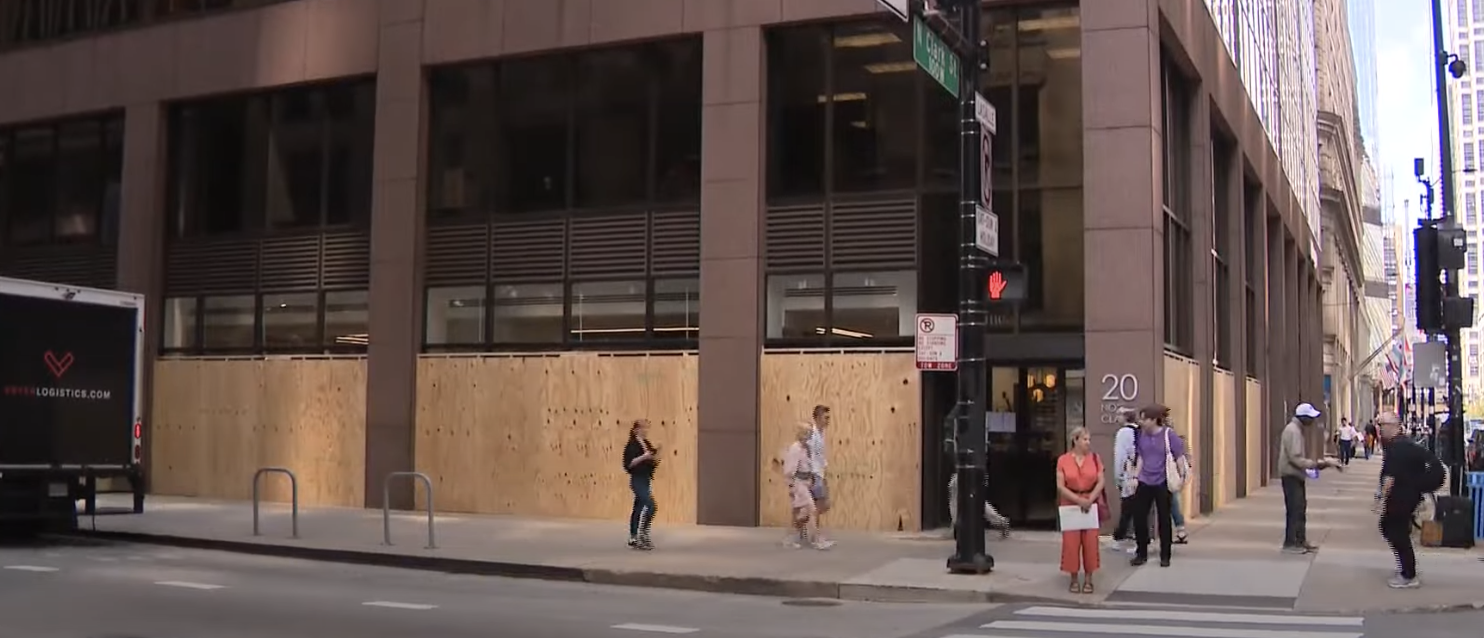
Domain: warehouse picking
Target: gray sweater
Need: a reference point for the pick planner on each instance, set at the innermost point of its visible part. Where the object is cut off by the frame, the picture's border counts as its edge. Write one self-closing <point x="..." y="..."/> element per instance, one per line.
<point x="1291" y="458"/>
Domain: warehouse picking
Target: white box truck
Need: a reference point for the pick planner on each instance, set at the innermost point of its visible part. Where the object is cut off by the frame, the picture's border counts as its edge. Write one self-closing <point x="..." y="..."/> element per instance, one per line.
<point x="71" y="406"/>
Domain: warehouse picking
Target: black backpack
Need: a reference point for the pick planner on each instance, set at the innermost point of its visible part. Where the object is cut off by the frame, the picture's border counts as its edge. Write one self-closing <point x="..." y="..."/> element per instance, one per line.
<point x="1433" y="474"/>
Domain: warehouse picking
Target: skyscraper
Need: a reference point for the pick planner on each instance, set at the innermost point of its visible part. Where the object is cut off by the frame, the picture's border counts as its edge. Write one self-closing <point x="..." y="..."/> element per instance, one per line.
<point x="1272" y="42"/>
<point x="1362" y="15"/>
<point x="1464" y="25"/>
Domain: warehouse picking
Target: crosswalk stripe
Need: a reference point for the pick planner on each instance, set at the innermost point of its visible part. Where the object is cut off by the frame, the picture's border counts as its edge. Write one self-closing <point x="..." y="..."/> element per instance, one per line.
<point x="1158" y="630"/>
<point x="1070" y="613"/>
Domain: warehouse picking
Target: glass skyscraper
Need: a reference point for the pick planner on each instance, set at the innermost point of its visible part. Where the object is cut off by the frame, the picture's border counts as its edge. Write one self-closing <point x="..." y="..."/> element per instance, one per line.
<point x="1272" y="42"/>
<point x="1363" y="41"/>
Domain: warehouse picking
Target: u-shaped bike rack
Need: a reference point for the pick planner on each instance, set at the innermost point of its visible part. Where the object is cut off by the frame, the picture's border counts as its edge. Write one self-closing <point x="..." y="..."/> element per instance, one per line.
<point x="386" y="505"/>
<point x="257" y="480"/>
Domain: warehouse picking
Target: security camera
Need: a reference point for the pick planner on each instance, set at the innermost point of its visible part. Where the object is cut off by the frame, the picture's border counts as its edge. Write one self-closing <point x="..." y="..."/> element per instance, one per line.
<point x="1458" y="68"/>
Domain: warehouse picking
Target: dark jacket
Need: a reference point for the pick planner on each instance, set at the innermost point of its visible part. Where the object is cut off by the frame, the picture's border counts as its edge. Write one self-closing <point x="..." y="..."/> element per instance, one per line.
<point x="634" y="450"/>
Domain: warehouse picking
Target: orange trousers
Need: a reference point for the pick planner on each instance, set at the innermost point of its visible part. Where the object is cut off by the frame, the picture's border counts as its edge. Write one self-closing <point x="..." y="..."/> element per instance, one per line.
<point x="1079" y="551"/>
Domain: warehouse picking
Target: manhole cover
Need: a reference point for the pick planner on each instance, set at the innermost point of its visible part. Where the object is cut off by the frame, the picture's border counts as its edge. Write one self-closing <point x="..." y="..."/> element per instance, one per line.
<point x="812" y="602"/>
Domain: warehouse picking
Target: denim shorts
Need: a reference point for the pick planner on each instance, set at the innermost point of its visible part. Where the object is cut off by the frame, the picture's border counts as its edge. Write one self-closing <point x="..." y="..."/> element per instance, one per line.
<point x="820" y="489"/>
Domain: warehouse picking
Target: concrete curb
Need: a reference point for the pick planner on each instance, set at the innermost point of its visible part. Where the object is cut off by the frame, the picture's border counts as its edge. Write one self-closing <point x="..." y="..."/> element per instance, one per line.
<point x="771" y="587"/>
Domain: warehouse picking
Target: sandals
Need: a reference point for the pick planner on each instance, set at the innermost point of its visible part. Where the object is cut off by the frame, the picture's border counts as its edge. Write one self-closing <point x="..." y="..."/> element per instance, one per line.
<point x="1087" y="587"/>
<point x="1075" y="587"/>
<point x="1080" y="586"/>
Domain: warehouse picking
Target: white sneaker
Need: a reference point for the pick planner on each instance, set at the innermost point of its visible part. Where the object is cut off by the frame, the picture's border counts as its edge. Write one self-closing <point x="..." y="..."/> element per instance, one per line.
<point x="823" y="544"/>
<point x="1397" y="582"/>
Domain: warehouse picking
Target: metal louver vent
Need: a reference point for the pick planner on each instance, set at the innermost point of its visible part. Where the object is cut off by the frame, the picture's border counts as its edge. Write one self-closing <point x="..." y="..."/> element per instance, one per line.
<point x="210" y="266"/>
<point x="795" y="237"/>
<point x="346" y="260"/>
<point x="458" y="255"/>
<point x="90" y="266"/>
<point x="528" y="248"/>
<point x="675" y="242"/>
<point x="608" y="244"/>
<point x="290" y="263"/>
<point x="877" y="233"/>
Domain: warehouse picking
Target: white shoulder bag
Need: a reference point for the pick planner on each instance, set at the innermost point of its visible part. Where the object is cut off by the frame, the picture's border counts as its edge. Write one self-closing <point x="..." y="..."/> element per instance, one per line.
<point x="1174" y="480"/>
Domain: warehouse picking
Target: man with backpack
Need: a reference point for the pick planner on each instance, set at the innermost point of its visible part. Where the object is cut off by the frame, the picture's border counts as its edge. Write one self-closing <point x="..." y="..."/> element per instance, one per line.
<point x="1408" y="473"/>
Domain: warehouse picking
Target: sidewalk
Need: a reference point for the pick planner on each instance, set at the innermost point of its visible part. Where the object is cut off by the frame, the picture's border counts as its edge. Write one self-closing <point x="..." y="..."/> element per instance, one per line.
<point x="862" y="566"/>
<point x="1232" y="559"/>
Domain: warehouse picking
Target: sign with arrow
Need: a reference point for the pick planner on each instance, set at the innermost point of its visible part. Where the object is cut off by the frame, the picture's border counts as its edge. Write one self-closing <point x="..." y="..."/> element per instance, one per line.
<point x="1006" y="283"/>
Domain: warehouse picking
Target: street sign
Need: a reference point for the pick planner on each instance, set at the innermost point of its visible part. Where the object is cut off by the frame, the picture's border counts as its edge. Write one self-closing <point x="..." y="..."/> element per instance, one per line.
<point x="900" y="7"/>
<point x="934" y="56"/>
<point x="985" y="113"/>
<point x="1430" y="364"/>
<point x="988" y="123"/>
<point x="1005" y="283"/>
<point x="937" y="343"/>
<point x="987" y="231"/>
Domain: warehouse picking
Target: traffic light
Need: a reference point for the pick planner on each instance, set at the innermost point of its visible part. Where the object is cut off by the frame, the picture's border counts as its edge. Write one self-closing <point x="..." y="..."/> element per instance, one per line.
<point x="1005" y="283"/>
<point x="1438" y="250"/>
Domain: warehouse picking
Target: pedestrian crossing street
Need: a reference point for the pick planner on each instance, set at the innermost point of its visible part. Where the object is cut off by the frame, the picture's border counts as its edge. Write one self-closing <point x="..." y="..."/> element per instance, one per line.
<point x="1077" y="622"/>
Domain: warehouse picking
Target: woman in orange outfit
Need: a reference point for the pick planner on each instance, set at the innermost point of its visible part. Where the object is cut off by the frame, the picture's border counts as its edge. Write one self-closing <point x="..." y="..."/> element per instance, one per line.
<point x="1079" y="481"/>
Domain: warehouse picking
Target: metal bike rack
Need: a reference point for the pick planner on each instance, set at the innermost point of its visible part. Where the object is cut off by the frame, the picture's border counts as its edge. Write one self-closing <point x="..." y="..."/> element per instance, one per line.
<point x="257" y="480"/>
<point x="386" y="505"/>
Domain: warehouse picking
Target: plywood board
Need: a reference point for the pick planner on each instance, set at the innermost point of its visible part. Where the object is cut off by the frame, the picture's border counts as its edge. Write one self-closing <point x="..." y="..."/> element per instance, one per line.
<point x="874" y="441"/>
<point x="544" y="435"/>
<point x="1255" y="448"/>
<point x="215" y="422"/>
<point x="1182" y="396"/>
<point x="1224" y="431"/>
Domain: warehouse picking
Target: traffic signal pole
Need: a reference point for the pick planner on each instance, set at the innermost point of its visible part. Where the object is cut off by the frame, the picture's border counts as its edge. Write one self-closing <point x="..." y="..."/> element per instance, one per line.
<point x="970" y="556"/>
<point x="1441" y="60"/>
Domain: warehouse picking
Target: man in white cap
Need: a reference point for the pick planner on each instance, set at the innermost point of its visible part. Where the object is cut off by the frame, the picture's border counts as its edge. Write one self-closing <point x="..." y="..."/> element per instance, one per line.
<point x="1293" y="469"/>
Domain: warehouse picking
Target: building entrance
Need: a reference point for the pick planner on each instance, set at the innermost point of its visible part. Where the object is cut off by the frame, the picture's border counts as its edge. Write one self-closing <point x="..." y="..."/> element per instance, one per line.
<point x="1032" y="409"/>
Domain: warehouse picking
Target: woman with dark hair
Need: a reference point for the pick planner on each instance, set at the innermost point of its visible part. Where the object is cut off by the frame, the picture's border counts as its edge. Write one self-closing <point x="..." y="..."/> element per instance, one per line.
<point x="640" y="457"/>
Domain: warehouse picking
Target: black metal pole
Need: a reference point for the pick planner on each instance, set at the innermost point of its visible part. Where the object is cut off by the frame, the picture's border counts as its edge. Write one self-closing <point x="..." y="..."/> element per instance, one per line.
<point x="970" y="556"/>
<point x="1450" y="220"/>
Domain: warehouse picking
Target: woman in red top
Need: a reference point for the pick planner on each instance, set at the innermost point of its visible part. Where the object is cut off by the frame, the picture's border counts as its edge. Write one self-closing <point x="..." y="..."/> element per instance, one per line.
<point x="1079" y="481"/>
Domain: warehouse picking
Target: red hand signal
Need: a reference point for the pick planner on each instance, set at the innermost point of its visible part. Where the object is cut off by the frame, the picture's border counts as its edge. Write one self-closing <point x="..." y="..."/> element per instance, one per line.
<point x="997" y="285"/>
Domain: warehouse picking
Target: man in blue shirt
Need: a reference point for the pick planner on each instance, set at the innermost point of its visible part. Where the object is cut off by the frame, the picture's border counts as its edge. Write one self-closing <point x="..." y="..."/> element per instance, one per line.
<point x="1154" y="446"/>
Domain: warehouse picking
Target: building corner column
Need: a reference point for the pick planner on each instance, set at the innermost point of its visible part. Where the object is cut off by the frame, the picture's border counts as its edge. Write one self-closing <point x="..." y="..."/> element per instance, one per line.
<point x="733" y="140"/>
<point x="1236" y="303"/>
<point x="1200" y="429"/>
<point x="1280" y="339"/>
<point x="1123" y="234"/>
<point x="141" y="239"/>
<point x="397" y="222"/>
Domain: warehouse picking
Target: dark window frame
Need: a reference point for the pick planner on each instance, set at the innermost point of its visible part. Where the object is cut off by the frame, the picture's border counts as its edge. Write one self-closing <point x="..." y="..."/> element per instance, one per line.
<point x="20" y="28"/>
<point x="110" y="150"/>
<point x="1221" y="237"/>
<point x="191" y="225"/>
<point x="495" y="205"/>
<point x="1179" y="284"/>
<point x="648" y="340"/>
<point x="258" y="348"/>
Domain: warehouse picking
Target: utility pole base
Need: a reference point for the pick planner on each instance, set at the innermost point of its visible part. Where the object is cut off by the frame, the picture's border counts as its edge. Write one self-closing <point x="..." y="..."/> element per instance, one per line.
<point x="977" y="564"/>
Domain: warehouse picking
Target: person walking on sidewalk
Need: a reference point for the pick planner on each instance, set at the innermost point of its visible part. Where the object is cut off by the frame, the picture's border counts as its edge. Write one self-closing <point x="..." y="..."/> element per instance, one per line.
<point x="1123" y="455"/>
<point x="1293" y="471"/>
<point x="640" y="460"/>
<point x="1079" y="483"/>
<point x="1372" y="435"/>
<point x="1177" y="513"/>
<point x="1408" y="473"/>
<point x="798" y="471"/>
<point x="1348" y="435"/>
<point x="1157" y="451"/>
<point x="821" y="487"/>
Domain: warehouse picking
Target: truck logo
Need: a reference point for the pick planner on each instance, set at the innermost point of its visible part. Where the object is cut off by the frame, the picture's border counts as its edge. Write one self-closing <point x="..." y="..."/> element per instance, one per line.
<point x="58" y="365"/>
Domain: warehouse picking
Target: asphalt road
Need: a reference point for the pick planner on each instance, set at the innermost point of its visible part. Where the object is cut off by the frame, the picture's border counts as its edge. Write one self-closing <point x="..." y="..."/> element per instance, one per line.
<point x="88" y="589"/>
<point x="108" y="590"/>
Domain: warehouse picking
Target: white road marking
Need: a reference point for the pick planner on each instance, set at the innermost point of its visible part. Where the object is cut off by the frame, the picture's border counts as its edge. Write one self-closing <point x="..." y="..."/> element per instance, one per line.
<point x="1079" y="613"/>
<point x="656" y="629"/>
<point x="394" y="605"/>
<point x="1152" y="631"/>
<point x="30" y="568"/>
<point x="185" y="585"/>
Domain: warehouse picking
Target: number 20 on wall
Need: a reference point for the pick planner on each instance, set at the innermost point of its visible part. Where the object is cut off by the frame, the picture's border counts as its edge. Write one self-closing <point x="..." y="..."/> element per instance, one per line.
<point x="1120" y="387"/>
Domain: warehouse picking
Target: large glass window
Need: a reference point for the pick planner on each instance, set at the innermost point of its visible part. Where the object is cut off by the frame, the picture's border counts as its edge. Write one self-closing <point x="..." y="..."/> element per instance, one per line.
<point x="603" y="128"/>
<point x="851" y="117"/>
<point x="59" y="181"/>
<point x="298" y="158"/>
<point x="1179" y="246"/>
<point x="290" y="322"/>
<point x="601" y="135"/>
